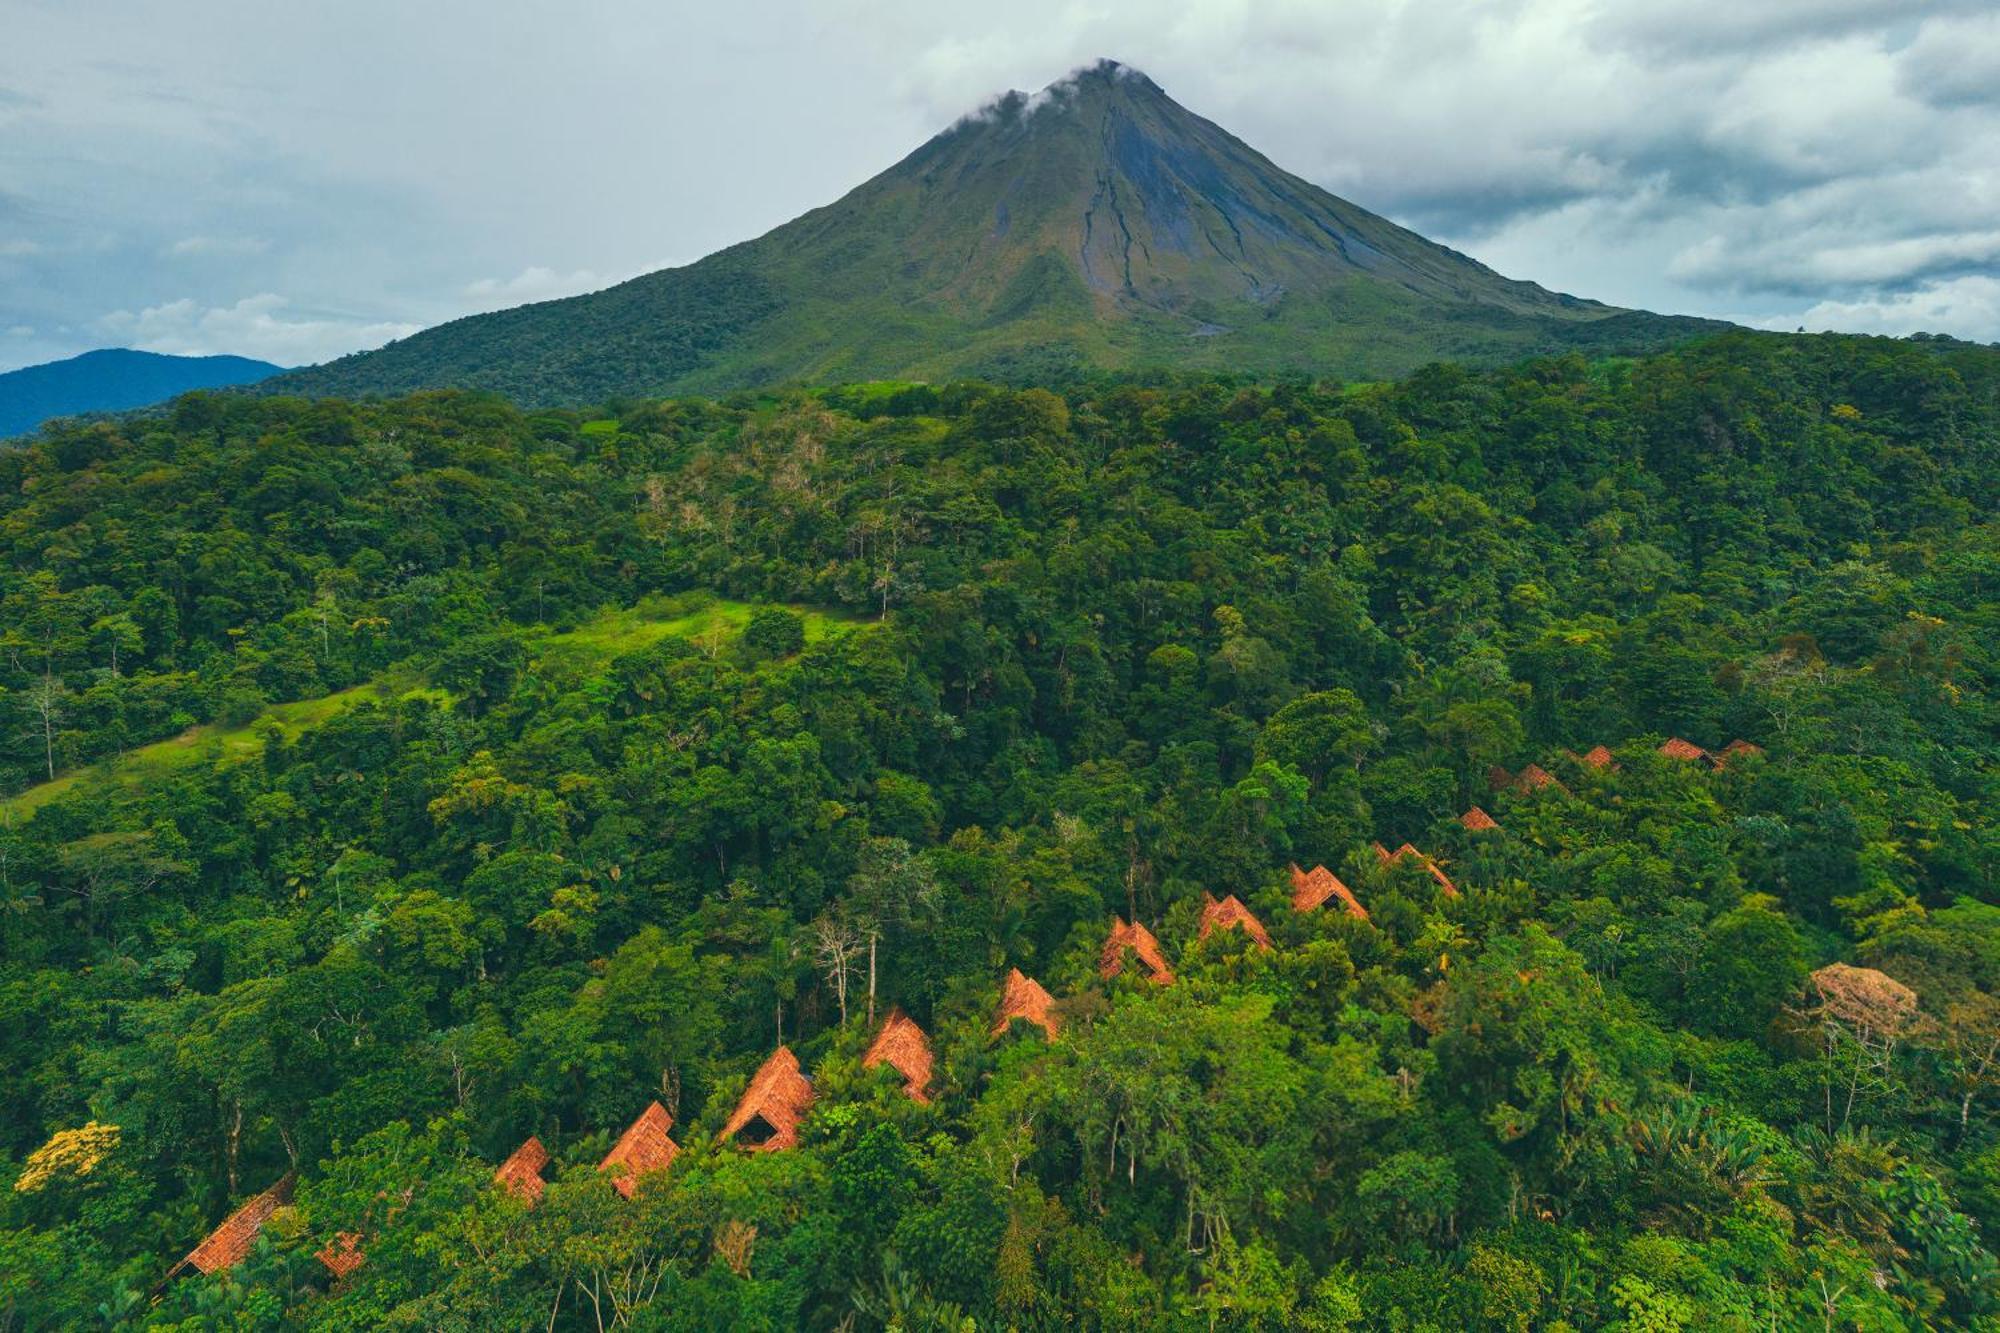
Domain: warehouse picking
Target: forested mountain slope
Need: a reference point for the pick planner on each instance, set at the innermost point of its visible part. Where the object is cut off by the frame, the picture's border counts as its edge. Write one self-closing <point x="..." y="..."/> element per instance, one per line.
<point x="1096" y="224"/>
<point x="1131" y="645"/>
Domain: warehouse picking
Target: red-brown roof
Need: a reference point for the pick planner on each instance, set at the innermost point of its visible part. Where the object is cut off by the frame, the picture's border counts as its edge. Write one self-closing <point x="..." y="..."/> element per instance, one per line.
<point x="1135" y="939"/>
<point x="777" y="1099"/>
<point x="521" y="1174"/>
<point x="902" y="1046"/>
<point x="344" y="1255"/>
<point x="1430" y="866"/>
<point x="1735" y="748"/>
<point x="1231" y="914"/>
<point x="1680" y="749"/>
<point x="641" y="1150"/>
<point x="1478" y="820"/>
<point x="1534" y="777"/>
<point x="1598" y="756"/>
<point x="1023" y="997"/>
<point x="226" y="1246"/>
<point x="1312" y="888"/>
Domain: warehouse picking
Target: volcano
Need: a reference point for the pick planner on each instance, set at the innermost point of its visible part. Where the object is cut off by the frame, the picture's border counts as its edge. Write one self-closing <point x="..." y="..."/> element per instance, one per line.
<point x="1095" y="224"/>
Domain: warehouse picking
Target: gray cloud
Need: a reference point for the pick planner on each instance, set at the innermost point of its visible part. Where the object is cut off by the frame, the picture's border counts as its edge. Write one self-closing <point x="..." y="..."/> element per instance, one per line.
<point x="263" y="322"/>
<point x="302" y="179"/>
<point x="1955" y="63"/>
<point x="1733" y="27"/>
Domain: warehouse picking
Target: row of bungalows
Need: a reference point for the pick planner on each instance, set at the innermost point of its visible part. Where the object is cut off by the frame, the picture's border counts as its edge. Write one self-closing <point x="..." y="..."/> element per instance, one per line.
<point x="766" y="1119"/>
<point x="1535" y="778"/>
<point x="779" y="1096"/>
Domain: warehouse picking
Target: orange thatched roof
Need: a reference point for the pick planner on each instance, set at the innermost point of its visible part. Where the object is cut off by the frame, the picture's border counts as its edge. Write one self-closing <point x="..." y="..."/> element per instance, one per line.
<point x="521" y="1174"/>
<point x="902" y="1046"/>
<point x="1313" y="887"/>
<point x="641" y="1150"/>
<point x="344" y="1255"/>
<point x="1680" y="749"/>
<point x="1598" y="756"/>
<point x="1230" y="914"/>
<point x="226" y="1246"/>
<point x="1431" y="867"/>
<point x="1478" y="820"/>
<point x="1872" y="1001"/>
<point x="1136" y="939"/>
<point x="1735" y="748"/>
<point x="1534" y="777"/>
<point x="1023" y="997"/>
<point x="776" y="1101"/>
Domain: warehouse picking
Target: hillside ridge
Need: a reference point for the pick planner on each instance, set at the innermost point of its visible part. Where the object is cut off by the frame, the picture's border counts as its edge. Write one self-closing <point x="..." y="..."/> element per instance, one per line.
<point x="113" y="379"/>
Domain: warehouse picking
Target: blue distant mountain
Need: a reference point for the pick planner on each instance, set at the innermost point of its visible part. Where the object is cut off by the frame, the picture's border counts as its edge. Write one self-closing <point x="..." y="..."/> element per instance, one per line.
<point x="111" y="380"/>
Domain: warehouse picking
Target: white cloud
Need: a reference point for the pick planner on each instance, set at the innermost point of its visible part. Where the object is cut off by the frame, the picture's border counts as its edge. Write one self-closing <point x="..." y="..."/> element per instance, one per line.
<point x="21" y="331"/>
<point x="19" y="249"/>
<point x="204" y="246"/>
<point x="1966" y="307"/>
<point x="255" y="326"/>
<point x="531" y="284"/>
<point x="1710" y="27"/>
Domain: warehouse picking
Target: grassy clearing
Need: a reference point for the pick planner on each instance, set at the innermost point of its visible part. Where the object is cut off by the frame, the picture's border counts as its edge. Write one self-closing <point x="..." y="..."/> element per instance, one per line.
<point x="209" y="743"/>
<point x="605" y="636"/>
<point x="612" y="634"/>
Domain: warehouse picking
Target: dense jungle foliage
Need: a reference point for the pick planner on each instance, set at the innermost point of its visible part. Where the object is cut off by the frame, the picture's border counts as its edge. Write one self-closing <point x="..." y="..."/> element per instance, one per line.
<point x="907" y="686"/>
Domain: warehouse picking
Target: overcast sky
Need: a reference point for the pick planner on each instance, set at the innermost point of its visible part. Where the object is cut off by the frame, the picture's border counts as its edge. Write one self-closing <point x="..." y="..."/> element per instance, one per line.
<point x="295" y="180"/>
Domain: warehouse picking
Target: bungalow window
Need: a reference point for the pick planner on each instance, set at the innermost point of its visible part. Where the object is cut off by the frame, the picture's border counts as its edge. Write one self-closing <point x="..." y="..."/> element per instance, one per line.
<point x="756" y="1132"/>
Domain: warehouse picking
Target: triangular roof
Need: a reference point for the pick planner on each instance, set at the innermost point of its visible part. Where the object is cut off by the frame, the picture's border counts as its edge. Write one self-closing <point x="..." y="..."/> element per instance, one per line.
<point x="1136" y="939"/>
<point x="1431" y="867"/>
<point x="1023" y="997"/>
<point x="1598" y="756"/>
<point x="343" y="1255"/>
<point x="780" y="1095"/>
<point x="1478" y="820"/>
<point x="521" y="1174"/>
<point x="225" y="1247"/>
<point x="1534" y="777"/>
<point x="1872" y="1001"/>
<point x="641" y="1150"/>
<point x="1311" y="888"/>
<point x="1676" y="748"/>
<point x="902" y="1045"/>
<point x="1231" y="914"/>
<point x="1735" y="748"/>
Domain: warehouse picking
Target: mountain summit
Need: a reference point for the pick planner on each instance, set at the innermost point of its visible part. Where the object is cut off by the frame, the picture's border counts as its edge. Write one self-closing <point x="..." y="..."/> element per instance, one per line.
<point x="1097" y="222"/>
<point x="113" y="379"/>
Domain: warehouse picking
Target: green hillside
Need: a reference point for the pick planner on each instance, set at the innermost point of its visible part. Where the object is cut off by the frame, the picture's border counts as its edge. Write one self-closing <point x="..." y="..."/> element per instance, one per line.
<point x="1096" y="225"/>
<point x="708" y="623"/>
<point x="983" y="968"/>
